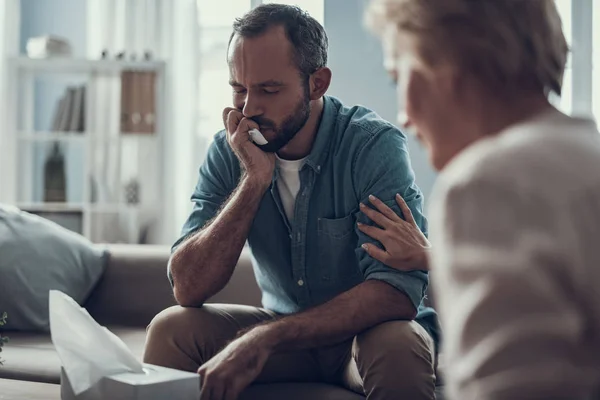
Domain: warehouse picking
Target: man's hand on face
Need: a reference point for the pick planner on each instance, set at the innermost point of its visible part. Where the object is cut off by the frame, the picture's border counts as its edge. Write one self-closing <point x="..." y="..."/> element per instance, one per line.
<point x="229" y="372"/>
<point x="258" y="164"/>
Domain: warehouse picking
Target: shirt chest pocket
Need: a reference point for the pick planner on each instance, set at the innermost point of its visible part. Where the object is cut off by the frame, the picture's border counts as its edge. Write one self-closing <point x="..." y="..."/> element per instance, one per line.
<point x="337" y="243"/>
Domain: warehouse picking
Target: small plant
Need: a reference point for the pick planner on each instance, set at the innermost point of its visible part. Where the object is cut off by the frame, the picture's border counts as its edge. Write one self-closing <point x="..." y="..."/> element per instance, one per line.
<point x="3" y="339"/>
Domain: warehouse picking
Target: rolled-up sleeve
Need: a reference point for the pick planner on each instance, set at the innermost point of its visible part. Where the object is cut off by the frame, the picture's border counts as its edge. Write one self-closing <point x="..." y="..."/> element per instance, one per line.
<point x="382" y="168"/>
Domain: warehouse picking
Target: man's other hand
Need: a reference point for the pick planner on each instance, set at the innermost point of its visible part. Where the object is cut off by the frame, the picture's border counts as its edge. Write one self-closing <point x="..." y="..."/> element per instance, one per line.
<point x="259" y="165"/>
<point x="228" y="373"/>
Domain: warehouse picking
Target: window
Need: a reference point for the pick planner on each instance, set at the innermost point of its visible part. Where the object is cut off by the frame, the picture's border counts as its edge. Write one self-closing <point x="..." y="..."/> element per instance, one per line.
<point x="215" y="19"/>
<point x="596" y="62"/>
<point x="581" y="85"/>
<point x="314" y="7"/>
<point x="565" y="103"/>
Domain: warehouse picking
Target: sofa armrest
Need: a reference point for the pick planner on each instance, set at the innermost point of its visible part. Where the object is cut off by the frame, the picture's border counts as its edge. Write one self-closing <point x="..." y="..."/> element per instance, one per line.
<point x="134" y="287"/>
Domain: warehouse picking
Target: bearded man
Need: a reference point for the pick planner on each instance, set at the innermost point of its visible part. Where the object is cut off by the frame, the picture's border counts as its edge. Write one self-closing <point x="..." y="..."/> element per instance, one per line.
<point x="331" y="312"/>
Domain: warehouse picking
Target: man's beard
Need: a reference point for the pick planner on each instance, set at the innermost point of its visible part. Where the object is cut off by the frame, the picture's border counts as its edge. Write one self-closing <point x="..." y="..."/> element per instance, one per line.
<point x="288" y="128"/>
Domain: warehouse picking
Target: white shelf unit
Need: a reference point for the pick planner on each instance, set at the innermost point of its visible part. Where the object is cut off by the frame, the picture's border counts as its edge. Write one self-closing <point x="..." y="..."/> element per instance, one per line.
<point x="20" y="138"/>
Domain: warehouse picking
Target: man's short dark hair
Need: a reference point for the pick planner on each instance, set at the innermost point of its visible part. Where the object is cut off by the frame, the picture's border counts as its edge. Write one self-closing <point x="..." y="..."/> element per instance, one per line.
<point x="307" y="36"/>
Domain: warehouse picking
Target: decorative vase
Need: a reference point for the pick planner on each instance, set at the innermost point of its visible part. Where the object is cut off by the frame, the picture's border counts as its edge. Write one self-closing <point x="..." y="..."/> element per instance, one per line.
<point x="54" y="176"/>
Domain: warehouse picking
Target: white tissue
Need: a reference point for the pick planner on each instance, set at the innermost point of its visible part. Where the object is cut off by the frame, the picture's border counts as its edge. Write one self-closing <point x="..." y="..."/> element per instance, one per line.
<point x="257" y="137"/>
<point x="86" y="350"/>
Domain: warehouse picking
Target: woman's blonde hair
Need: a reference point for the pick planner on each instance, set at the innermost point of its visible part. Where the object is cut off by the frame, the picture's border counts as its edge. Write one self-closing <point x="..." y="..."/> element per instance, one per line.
<point x="508" y="44"/>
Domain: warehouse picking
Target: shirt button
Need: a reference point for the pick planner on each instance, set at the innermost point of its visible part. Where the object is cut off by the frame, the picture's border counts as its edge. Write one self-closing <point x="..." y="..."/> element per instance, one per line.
<point x="300" y="282"/>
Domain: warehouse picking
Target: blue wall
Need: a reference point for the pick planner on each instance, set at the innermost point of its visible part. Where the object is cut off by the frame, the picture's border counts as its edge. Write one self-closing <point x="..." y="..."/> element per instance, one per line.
<point x="65" y="18"/>
<point x="356" y="59"/>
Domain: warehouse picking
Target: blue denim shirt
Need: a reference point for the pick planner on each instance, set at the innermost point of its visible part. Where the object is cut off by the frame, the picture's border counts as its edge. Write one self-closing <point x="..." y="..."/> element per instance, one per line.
<point x="319" y="256"/>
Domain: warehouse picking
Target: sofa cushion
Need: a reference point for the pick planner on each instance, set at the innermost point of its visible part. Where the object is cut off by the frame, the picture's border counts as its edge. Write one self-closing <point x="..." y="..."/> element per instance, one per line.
<point x="31" y="356"/>
<point x="37" y="255"/>
<point x="18" y="390"/>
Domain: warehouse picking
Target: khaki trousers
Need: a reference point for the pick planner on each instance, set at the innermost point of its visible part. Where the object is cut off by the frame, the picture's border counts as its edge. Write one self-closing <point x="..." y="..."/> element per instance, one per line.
<point x="393" y="360"/>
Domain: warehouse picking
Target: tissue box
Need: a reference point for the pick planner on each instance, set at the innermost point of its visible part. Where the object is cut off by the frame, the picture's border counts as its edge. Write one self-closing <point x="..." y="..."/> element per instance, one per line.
<point x="158" y="383"/>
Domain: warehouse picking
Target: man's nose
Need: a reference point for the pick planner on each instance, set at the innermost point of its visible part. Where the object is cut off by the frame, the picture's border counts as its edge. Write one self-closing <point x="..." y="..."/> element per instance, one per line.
<point x="252" y="107"/>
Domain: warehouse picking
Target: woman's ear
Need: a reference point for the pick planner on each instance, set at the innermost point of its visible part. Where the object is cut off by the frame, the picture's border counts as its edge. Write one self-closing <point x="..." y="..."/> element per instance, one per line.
<point x="319" y="83"/>
<point x="451" y="81"/>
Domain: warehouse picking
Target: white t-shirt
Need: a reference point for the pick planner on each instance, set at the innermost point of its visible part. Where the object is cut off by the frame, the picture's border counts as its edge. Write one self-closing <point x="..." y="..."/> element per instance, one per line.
<point x="289" y="184"/>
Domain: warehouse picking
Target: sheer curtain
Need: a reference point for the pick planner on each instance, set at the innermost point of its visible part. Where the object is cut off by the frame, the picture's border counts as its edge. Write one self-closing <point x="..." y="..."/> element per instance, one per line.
<point x="9" y="47"/>
<point x="215" y="20"/>
<point x="169" y="30"/>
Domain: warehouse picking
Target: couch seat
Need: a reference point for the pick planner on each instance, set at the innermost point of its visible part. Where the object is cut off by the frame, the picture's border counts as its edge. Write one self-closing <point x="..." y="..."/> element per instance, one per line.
<point x="31" y="356"/>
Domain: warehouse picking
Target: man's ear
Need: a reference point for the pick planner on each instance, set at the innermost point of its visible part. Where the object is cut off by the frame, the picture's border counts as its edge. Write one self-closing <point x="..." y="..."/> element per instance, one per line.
<point x="319" y="83"/>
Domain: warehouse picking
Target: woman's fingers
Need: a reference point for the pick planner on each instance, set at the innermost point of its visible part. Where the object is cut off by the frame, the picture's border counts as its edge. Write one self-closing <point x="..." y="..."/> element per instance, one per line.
<point x="405" y="210"/>
<point x="384" y="209"/>
<point x="376" y="252"/>
<point x="371" y="231"/>
<point x="376" y="216"/>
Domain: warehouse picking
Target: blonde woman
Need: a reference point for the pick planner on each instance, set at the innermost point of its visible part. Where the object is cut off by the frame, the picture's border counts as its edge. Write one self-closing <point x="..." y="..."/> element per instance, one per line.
<point x="515" y="216"/>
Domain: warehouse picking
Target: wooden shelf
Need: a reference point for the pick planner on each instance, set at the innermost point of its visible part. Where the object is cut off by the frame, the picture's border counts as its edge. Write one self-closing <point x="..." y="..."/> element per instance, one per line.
<point x="51" y="207"/>
<point x="46" y="136"/>
<point x="51" y="136"/>
<point x="75" y="65"/>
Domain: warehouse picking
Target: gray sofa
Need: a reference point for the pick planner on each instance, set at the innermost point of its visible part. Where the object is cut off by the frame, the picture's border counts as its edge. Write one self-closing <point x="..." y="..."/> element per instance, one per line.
<point x="133" y="289"/>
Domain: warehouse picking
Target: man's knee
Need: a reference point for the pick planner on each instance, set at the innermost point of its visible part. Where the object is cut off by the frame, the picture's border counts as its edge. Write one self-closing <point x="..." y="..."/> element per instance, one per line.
<point x="396" y="357"/>
<point x="186" y="337"/>
<point x="167" y="321"/>
<point x="176" y="321"/>
<point x="180" y="329"/>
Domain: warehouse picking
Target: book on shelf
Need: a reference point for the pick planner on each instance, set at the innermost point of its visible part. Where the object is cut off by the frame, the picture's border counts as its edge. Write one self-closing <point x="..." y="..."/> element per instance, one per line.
<point x="148" y="86"/>
<point x="58" y="113"/>
<point x="126" y="124"/>
<point x="63" y="119"/>
<point x="78" y="110"/>
<point x="138" y="99"/>
<point x="69" y="113"/>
